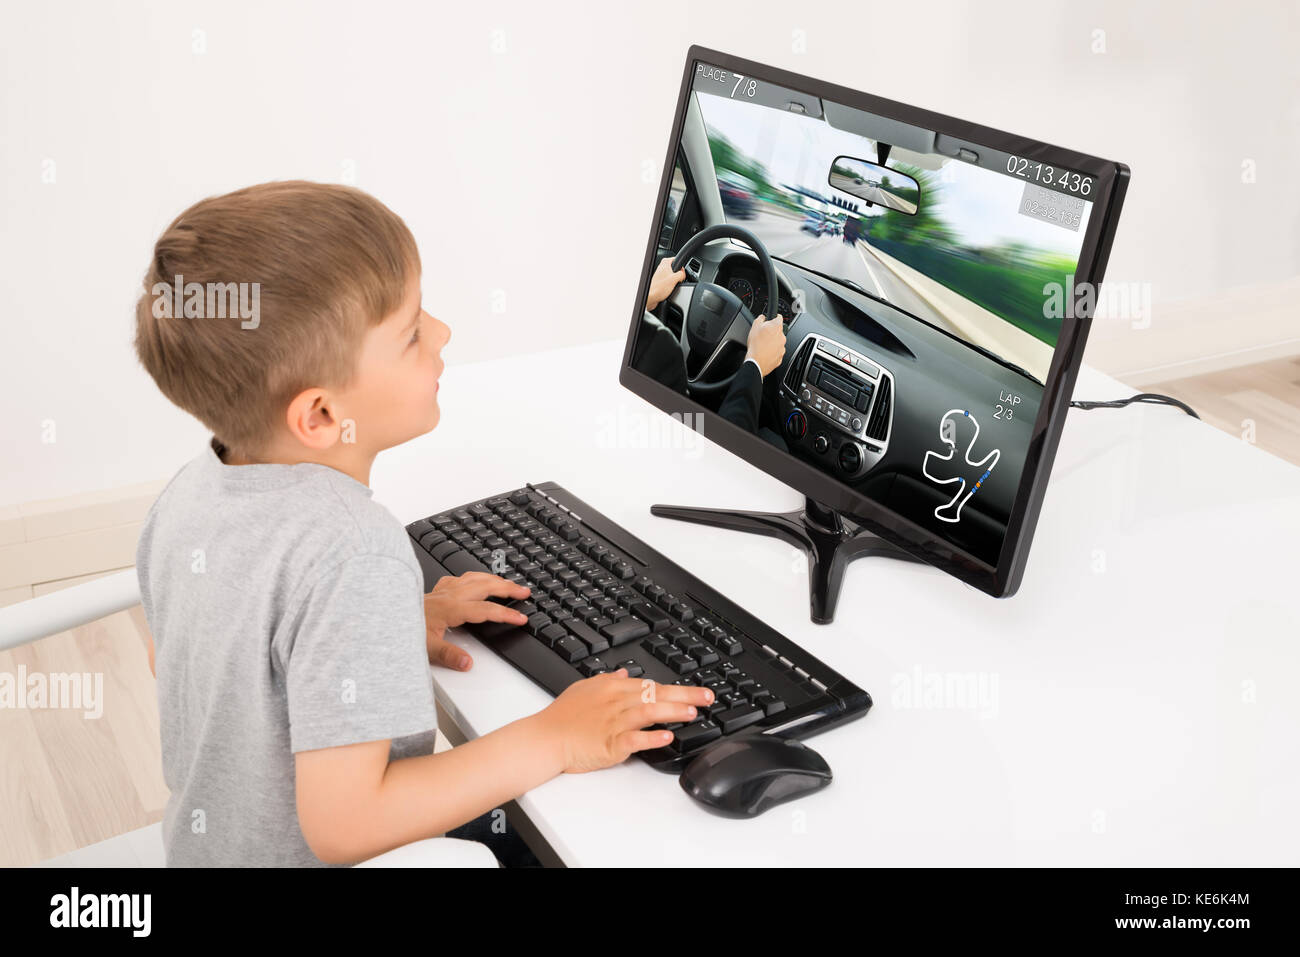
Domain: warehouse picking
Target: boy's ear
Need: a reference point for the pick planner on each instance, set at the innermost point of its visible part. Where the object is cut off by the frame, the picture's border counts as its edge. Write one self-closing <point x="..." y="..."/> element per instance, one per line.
<point x="310" y="419"/>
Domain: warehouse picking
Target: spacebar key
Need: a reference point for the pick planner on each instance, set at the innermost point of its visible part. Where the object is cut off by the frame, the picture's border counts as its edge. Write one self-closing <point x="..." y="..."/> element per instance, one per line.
<point x="458" y="563"/>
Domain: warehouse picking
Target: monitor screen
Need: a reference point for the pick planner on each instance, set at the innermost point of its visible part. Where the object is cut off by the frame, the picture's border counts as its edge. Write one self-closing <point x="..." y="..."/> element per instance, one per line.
<point x="923" y="282"/>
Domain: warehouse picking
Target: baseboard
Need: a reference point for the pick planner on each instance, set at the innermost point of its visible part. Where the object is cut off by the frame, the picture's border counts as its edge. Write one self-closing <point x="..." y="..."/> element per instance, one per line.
<point x="1237" y="327"/>
<point x="1233" y="359"/>
<point x="55" y="543"/>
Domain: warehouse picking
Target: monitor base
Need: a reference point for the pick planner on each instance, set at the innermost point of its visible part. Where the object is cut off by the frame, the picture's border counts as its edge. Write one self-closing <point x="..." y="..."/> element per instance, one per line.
<point x="821" y="532"/>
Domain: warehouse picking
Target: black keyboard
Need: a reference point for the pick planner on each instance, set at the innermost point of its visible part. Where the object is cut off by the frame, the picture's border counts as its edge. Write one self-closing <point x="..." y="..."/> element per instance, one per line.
<point x="603" y="600"/>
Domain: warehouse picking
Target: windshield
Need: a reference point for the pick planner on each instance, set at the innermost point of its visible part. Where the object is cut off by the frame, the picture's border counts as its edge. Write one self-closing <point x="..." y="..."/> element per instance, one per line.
<point x="965" y="248"/>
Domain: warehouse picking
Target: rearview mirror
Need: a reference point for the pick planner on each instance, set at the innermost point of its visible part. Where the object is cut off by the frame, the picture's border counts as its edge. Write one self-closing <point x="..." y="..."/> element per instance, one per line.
<point x="876" y="184"/>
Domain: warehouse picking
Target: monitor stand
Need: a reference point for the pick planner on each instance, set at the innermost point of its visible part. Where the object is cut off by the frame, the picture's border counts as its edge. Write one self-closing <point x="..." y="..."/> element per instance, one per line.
<point x="821" y="532"/>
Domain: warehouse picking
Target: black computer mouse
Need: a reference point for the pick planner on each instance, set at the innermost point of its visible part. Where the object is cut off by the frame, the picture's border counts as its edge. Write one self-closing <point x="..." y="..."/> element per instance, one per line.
<point x="743" y="777"/>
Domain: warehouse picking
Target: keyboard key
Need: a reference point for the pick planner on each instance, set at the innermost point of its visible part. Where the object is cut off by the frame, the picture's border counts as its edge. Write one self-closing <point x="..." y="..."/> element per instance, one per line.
<point x="739" y="717"/>
<point x="591" y="666"/>
<point x="553" y="634"/>
<point x="683" y="664"/>
<point x="461" y="562"/>
<point x="707" y="655"/>
<point x="432" y="539"/>
<point x="694" y="735"/>
<point x="592" y="639"/>
<point x="623" y="570"/>
<point x="665" y="651"/>
<point x="629" y="629"/>
<point x="656" y="619"/>
<point x="571" y="649"/>
<point x="443" y="549"/>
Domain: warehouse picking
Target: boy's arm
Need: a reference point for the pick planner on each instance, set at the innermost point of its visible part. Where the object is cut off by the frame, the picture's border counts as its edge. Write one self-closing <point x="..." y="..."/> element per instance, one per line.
<point x="353" y="804"/>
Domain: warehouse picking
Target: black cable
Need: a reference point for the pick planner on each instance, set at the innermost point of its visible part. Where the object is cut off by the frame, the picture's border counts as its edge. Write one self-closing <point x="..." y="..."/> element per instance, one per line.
<point x="1151" y="398"/>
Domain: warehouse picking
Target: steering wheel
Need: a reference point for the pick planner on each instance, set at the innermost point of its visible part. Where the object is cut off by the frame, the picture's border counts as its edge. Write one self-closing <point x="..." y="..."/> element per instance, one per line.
<point x="716" y="315"/>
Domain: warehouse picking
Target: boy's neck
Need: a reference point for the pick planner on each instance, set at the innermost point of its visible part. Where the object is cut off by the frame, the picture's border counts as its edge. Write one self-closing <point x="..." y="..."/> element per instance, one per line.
<point x="355" y="465"/>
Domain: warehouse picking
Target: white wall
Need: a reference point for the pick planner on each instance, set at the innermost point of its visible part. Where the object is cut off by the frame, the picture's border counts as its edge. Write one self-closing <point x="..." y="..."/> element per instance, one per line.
<point x="139" y="125"/>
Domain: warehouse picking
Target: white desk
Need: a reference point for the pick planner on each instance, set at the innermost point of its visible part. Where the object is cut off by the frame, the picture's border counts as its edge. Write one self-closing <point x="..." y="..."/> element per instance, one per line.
<point x="1146" y="706"/>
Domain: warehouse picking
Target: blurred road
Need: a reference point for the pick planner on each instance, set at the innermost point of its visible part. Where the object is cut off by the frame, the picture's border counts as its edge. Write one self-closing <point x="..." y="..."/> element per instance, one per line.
<point x="780" y="233"/>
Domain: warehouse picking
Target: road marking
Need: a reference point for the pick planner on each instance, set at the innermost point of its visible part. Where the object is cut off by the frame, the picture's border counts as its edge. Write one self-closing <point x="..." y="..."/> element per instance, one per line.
<point x="800" y="249"/>
<point x="880" y="291"/>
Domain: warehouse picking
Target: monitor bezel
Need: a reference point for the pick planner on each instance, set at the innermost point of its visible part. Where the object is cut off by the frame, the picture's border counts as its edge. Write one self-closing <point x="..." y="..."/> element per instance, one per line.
<point x="1003" y="579"/>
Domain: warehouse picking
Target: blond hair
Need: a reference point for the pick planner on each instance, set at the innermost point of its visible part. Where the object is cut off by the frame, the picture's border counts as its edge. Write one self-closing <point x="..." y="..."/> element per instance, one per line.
<point x="328" y="262"/>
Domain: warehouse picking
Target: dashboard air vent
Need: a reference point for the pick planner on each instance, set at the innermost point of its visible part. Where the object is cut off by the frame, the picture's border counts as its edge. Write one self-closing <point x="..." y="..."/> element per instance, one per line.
<point x="879" y="424"/>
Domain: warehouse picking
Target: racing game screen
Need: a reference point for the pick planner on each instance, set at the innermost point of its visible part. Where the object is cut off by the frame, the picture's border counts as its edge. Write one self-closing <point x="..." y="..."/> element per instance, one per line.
<point x="922" y="283"/>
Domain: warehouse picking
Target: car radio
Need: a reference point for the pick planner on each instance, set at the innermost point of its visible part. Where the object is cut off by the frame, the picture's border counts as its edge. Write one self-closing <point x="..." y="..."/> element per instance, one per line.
<point x="837" y="406"/>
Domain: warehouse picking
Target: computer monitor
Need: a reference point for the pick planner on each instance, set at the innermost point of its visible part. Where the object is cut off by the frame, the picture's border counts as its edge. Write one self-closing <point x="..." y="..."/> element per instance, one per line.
<point x="936" y="281"/>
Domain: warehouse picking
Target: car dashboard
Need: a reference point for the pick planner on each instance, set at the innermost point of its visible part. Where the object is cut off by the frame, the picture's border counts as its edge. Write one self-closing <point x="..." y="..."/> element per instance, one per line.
<point x="864" y="388"/>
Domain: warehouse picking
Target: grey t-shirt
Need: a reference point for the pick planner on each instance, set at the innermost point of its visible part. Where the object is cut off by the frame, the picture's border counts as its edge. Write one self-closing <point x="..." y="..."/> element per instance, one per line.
<point x="287" y="615"/>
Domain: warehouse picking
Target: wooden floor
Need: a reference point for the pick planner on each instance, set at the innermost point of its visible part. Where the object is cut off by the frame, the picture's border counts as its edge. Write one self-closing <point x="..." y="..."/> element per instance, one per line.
<point x="1266" y="395"/>
<point x="66" y="781"/>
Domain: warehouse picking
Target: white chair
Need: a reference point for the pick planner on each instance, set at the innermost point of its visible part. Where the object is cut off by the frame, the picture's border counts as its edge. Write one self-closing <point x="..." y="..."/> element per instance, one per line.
<point x="58" y="611"/>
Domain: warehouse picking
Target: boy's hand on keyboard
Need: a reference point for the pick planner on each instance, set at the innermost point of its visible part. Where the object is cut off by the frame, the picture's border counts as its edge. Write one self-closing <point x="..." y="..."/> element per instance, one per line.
<point x="598" y="722"/>
<point x="458" y="599"/>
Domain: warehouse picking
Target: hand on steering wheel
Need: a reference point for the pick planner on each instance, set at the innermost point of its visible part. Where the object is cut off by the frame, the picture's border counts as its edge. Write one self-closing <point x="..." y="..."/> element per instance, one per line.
<point x="766" y="344"/>
<point x="716" y="315"/>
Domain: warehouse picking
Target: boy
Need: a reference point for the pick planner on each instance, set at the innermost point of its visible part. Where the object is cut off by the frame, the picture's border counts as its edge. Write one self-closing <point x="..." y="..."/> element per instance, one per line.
<point x="292" y="638"/>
